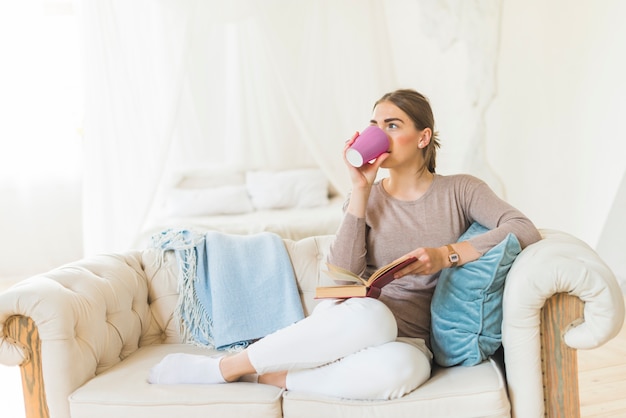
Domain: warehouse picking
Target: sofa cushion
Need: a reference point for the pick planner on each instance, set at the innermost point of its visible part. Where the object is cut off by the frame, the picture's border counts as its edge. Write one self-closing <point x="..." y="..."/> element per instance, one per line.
<point x="478" y="391"/>
<point x="466" y="310"/>
<point x="123" y="392"/>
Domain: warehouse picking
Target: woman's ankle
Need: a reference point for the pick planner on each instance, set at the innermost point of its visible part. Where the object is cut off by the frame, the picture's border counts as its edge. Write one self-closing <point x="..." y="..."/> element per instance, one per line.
<point x="278" y="379"/>
<point x="235" y="366"/>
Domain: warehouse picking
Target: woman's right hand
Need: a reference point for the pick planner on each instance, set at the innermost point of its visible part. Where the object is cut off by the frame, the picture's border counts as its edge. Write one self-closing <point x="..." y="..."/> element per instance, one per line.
<point x="362" y="177"/>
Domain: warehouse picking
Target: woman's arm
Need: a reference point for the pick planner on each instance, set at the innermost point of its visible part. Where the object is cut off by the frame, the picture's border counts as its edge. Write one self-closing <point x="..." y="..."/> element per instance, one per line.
<point x="349" y="249"/>
<point x="482" y="205"/>
<point x="500" y="217"/>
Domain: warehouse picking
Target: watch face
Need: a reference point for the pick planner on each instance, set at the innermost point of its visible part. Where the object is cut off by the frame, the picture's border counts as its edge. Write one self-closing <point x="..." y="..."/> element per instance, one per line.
<point x="454" y="258"/>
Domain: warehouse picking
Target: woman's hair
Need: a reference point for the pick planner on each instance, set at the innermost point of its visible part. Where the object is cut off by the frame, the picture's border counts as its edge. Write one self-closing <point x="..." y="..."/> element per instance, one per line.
<point x="417" y="106"/>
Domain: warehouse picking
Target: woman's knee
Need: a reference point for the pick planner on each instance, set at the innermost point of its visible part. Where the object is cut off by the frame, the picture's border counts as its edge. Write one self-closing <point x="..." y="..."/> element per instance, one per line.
<point x="405" y="368"/>
<point x="408" y="362"/>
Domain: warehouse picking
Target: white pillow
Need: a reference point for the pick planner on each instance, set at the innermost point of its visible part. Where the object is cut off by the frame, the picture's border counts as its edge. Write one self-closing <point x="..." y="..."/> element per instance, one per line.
<point x="210" y="178"/>
<point x="224" y="200"/>
<point x="303" y="188"/>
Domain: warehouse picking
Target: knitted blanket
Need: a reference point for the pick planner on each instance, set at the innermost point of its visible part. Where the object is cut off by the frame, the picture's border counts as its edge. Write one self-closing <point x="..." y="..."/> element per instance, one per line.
<point x="233" y="289"/>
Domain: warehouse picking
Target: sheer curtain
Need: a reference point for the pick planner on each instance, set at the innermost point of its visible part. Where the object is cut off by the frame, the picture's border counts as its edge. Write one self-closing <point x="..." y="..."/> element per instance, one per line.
<point x="135" y="54"/>
<point x="183" y="84"/>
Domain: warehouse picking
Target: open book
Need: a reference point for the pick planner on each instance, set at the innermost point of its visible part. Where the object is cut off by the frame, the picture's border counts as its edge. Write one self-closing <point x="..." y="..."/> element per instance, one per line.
<point x="361" y="287"/>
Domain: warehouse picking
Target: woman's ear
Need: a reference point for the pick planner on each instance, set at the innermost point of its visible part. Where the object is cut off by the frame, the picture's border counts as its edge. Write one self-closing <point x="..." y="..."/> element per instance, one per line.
<point x="425" y="138"/>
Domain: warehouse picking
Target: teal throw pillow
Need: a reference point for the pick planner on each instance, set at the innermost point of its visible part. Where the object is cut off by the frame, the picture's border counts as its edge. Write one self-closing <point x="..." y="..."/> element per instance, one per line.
<point x="466" y="321"/>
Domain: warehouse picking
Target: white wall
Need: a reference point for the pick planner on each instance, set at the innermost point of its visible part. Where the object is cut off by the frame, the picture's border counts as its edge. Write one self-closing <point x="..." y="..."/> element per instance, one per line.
<point x="40" y="227"/>
<point x="612" y="243"/>
<point x="40" y="148"/>
<point x="555" y="130"/>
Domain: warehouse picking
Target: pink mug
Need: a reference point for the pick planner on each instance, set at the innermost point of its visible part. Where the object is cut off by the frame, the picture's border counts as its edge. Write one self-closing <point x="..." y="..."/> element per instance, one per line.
<point x="370" y="144"/>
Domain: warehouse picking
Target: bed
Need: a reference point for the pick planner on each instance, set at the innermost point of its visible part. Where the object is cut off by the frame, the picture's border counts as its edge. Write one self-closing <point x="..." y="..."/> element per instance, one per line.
<point x="294" y="204"/>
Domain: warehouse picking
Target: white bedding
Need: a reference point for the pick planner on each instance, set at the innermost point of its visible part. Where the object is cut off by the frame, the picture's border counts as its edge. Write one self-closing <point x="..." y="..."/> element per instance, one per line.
<point x="293" y="223"/>
<point x="294" y="204"/>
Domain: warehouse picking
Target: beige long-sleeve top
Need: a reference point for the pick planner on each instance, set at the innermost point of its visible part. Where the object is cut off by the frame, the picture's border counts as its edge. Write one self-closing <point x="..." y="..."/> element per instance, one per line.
<point x="392" y="228"/>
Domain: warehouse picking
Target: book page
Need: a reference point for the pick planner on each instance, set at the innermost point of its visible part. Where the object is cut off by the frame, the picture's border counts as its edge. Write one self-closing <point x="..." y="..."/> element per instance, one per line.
<point x="389" y="269"/>
<point x="339" y="273"/>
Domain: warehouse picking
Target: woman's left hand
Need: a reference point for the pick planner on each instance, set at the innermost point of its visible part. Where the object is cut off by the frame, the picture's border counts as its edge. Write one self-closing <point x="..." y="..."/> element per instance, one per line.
<point x="433" y="260"/>
<point x="429" y="261"/>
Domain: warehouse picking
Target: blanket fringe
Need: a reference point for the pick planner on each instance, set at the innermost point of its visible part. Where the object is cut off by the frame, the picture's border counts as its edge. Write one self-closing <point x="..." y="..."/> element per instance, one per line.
<point x="189" y="313"/>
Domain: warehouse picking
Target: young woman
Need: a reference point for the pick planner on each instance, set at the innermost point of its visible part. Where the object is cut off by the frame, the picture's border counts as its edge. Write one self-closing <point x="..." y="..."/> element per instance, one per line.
<point x="364" y="348"/>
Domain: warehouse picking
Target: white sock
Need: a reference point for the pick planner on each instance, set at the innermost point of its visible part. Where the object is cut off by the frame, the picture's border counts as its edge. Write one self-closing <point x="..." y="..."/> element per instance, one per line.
<point x="181" y="368"/>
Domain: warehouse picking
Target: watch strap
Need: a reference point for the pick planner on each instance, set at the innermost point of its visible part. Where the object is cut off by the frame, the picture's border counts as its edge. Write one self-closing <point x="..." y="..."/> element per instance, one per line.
<point x="453" y="256"/>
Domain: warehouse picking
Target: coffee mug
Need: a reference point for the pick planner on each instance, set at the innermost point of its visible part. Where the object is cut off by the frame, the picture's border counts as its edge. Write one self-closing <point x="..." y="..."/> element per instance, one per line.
<point x="370" y="144"/>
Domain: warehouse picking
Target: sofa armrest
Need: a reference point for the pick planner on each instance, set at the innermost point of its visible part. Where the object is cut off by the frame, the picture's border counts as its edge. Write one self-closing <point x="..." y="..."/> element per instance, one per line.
<point x="542" y="324"/>
<point x="72" y="323"/>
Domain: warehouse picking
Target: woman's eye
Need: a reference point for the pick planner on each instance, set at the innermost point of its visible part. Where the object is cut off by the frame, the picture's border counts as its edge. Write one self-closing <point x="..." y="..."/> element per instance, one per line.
<point x="392" y="126"/>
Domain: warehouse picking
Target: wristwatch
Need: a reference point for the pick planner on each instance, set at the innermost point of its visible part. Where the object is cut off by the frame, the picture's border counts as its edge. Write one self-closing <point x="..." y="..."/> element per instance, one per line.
<point x="453" y="256"/>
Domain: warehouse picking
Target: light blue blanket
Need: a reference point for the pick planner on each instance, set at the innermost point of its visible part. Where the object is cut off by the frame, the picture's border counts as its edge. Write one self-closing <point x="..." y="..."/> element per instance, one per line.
<point x="233" y="288"/>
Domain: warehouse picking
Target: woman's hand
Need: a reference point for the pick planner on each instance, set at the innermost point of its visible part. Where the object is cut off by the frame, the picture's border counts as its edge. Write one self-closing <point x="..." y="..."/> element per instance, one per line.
<point x="433" y="260"/>
<point x="364" y="176"/>
<point x="362" y="179"/>
<point x="429" y="261"/>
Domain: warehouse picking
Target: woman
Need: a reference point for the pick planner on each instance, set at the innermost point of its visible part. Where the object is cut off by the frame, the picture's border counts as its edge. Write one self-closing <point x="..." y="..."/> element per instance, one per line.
<point x="364" y="348"/>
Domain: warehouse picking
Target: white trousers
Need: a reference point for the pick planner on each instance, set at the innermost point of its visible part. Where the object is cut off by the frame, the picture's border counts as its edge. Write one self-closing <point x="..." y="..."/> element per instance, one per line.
<point x="345" y="349"/>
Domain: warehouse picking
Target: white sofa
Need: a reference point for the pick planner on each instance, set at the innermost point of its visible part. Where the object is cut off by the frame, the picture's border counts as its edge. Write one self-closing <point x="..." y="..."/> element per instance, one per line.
<point x="87" y="333"/>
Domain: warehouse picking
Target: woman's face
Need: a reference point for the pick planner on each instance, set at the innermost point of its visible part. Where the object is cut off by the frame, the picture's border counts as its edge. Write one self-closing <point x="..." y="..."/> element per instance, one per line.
<point x="407" y="142"/>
